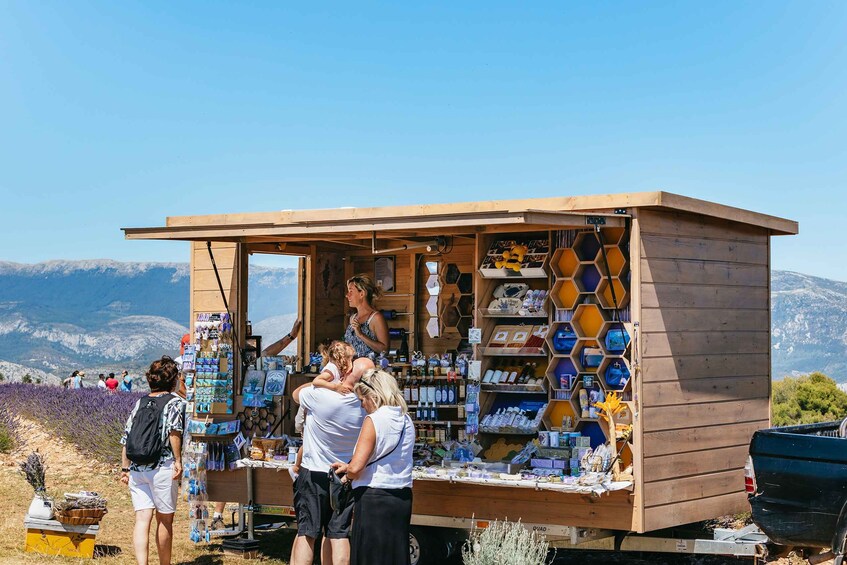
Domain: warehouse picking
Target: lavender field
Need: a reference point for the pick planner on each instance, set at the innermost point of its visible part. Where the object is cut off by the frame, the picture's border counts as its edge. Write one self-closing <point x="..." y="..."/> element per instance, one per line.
<point x="92" y="419"/>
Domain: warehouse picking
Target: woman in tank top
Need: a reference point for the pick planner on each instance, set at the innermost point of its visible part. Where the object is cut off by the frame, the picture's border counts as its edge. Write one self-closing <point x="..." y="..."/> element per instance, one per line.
<point x="381" y="474"/>
<point x="367" y="331"/>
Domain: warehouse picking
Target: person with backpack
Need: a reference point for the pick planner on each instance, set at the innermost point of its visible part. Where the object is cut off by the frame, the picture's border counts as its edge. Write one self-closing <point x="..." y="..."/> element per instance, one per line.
<point x="152" y="459"/>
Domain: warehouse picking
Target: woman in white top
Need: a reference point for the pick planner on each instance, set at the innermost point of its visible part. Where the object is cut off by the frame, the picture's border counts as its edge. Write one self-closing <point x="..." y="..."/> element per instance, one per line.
<point x="381" y="473"/>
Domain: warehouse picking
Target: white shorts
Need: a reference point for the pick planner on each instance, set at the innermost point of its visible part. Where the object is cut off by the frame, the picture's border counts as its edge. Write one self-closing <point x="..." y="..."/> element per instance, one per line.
<point x="154" y="489"/>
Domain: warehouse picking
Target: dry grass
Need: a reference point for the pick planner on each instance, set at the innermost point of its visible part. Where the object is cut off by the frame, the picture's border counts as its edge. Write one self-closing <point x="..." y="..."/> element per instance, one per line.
<point x="69" y="471"/>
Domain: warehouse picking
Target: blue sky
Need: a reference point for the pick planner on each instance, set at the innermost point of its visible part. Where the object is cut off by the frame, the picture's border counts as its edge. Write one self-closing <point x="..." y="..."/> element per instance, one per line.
<point x="118" y="114"/>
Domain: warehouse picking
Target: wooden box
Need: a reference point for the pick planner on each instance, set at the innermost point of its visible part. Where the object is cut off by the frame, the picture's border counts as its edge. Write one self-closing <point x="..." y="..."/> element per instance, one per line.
<point x="51" y="537"/>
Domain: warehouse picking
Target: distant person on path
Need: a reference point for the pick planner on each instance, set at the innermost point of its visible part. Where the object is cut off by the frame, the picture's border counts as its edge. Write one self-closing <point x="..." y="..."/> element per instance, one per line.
<point x="153" y="486"/>
<point x="381" y="471"/>
<point x="67" y="383"/>
<point x="126" y="382"/>
<point x="101" y="382"/>
<point x="77" y="380"/>
<point x="112" y="383"/>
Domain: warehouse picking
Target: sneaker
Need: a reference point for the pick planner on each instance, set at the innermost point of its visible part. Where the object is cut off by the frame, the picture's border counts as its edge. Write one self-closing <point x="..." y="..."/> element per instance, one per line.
<point x="217" y="524"/>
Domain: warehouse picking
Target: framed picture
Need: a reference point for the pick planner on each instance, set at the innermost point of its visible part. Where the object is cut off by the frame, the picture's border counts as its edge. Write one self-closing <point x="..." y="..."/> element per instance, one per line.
<point x="384" y="273"/>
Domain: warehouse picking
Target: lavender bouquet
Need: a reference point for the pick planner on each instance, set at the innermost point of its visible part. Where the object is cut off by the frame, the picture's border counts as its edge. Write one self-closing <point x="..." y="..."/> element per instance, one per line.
<point x="33" y="470"/>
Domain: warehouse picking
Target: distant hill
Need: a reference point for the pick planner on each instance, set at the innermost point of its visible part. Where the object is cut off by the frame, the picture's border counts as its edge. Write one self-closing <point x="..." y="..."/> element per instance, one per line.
<point x="106" y="315"/>
<point x="809" y="325"/>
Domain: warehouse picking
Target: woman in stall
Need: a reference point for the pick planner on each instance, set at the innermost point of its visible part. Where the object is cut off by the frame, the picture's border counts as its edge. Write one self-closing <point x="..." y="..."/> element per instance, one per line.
<point x="381" y="474"/>
<point x="367" y="331"/>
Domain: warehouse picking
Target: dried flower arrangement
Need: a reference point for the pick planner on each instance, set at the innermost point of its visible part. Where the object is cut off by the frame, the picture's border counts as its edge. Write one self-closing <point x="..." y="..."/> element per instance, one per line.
<point x="33" y="469"/>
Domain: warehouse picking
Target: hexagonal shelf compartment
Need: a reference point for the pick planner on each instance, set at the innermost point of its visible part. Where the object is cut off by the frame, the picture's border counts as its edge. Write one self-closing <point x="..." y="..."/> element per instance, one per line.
<point x="604" y="294"/>
<point x="561" y="338"/>
<point x="576" y="400"/>
<point x="451" y="273"/>
<point x="612" y="236"/>
<point x="614" y="258"/>
<point x="587" y="320"/>
<point x="564" y="262"/>
<point x="465" y="283"/>
<point x="587" y="277"/>
<point x="565" y="294"/>
<point x="615" y="374"/>
<point x="614" y="338"/>
<point x="595" y="430"/>
<point x="587" y="355"/>
<point x="561" y="373"/>
<point x="586" y="246"/>
<point x="466" y="305"/>
<point x="556" y="413"/>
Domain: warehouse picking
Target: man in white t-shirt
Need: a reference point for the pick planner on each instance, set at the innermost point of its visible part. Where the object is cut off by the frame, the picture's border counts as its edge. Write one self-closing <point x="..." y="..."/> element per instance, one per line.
<point x="330" y="433"/>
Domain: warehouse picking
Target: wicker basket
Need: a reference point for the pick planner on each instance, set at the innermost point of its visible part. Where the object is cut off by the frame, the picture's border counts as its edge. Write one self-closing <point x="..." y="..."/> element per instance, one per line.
<point x="81" y="516"/>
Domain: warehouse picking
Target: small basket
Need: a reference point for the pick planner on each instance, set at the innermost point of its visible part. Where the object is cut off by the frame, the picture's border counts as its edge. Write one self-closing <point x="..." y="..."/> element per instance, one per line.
<point x="81" y="516"/>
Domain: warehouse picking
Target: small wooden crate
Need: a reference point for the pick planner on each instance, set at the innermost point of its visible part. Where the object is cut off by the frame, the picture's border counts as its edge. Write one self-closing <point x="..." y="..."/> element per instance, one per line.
<point x="51" y="537"/>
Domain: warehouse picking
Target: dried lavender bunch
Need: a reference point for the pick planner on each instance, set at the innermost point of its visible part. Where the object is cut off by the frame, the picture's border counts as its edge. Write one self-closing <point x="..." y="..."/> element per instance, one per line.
<point x="81" y="503"/>
<point x="33" y="470"/>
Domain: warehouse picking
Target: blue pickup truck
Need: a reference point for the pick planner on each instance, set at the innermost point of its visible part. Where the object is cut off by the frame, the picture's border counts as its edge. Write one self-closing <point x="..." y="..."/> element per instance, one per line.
<point x="797" y="485"/>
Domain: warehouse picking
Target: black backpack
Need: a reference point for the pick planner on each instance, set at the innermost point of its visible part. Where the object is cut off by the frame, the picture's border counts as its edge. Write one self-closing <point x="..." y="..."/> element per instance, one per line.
<point x="144" y="443"/>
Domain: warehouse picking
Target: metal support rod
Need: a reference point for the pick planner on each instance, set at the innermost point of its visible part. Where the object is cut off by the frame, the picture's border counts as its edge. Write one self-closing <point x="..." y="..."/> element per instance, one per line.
<point x="249" y="503"/>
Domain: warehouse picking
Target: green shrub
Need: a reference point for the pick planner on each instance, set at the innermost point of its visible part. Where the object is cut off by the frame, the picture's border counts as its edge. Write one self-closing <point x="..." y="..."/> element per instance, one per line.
<point x="505" y="543"/>
<point x="7" y="441"/>
<point x="807" y="399"/>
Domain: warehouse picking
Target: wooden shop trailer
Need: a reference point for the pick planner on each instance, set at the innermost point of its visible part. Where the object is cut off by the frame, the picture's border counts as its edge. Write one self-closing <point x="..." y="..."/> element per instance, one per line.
<point x="689" y="280"/>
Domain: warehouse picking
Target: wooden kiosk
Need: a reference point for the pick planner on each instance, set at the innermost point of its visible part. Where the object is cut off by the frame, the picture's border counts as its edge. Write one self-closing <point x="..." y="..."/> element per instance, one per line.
<point x="691" y="283"/>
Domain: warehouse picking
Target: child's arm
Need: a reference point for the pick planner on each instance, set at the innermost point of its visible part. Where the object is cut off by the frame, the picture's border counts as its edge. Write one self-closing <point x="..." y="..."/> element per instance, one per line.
<point x="324" y="380"/>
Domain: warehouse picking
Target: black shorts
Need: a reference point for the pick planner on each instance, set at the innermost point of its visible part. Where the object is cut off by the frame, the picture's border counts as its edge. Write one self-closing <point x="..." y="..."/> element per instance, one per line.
<point x="314" y="514"/>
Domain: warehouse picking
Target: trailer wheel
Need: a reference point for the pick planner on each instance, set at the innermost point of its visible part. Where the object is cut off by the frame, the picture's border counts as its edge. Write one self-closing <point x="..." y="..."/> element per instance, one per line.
<point x="427" y="547"/>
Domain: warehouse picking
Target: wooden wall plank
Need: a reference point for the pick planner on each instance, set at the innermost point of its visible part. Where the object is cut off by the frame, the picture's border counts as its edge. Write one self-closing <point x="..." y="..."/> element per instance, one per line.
<point x="658" y="418"/>
<point x="537" y="507"/>
<point x="694" y="463"/>
<point x="695" y="296"/>
<point x="696" y="487"/>
<point x="713" y="437"/>
<point x="659" y="517"/>
<point x="692" y="225"/>
<point x="204" y="279"/>
<point x="660" y="369"/>
<point x="718" y="389"/>
<point x="224" y="255"/>
<point x="698" y="319"/>
<point x="692" y="248"/>
<point x="702" y="343"/>
<point x="680" y="271"/>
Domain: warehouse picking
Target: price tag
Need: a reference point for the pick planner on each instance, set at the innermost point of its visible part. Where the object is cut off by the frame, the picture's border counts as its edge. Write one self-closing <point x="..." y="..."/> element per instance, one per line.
<point x="475" y="336"/>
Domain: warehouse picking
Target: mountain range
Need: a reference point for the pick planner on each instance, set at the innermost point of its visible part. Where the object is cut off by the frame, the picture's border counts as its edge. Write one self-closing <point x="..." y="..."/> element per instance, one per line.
<point x="105" y="315"/>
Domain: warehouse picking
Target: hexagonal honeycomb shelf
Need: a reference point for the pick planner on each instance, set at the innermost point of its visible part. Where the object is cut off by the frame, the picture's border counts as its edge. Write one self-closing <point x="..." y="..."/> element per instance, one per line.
<point x="587" y="320"/>
<point x="556" y="412"/>
<point x="564" y="262"/>
<point x="560" y="335"/>
<point x="560" y="369"/>
<point x="596" y="430"/>
<point x="614" y="373"/>
<point x="613" y="236"/>
<point x="587" y="277"/>
<point x="605" y="296"/>
<point x="615" y="260"/>
<point x="586" y="246"/>
<point x="618" y="342"/>
<point x="575" y="396"/>
<point x="565" y="294"/>
<point x="582" y="360"/>
<point x="457" y="301"/>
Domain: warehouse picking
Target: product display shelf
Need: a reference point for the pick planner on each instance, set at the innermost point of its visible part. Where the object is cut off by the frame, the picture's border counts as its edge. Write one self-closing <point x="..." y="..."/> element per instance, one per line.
<point x="439" y="422"/>
<point x="498" y="395"/>
<point x="513" y="389"/>
<point x="513" y="352"/>
<point x="565" y="294"/>
<point x="557" y="411"/>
